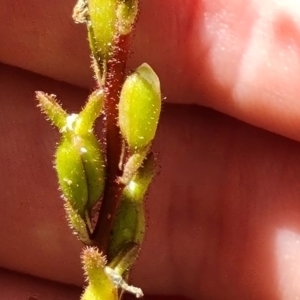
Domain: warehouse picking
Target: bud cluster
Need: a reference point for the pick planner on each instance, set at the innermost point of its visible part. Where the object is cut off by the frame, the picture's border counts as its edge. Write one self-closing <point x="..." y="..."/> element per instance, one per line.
<point x="81" y="160"/>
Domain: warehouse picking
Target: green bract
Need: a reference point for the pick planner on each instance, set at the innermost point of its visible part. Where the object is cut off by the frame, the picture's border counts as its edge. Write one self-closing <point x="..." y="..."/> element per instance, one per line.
<point x="77" y="224"/>
<point x="90" y="112"/>
<point x="139" y="108"/>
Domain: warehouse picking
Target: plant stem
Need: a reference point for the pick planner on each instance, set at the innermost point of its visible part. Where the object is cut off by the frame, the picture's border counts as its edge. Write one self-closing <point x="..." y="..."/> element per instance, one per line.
<point x="116" y="67"/>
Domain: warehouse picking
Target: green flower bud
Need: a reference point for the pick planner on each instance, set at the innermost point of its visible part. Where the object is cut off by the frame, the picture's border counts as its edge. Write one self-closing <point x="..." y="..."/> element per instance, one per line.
<point x="126" y="14"/>
<point x="79" y="160"/>
<point x="80" y="169"/>
<point x="129" y="225"/>
<point x="139" y="108"/>
<point x="100" y="286"/>
<point x="102" y="14"/>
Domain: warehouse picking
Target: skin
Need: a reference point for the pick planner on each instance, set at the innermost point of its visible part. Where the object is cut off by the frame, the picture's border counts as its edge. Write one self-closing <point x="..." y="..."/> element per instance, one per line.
<point x="224" y="210"/>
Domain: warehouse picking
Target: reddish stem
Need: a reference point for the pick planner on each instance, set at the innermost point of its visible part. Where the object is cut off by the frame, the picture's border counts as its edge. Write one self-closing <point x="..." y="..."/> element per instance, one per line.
<point x="113" y="189"/>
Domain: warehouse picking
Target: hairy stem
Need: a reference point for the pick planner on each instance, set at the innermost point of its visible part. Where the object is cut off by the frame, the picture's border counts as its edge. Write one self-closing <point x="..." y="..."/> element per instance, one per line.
<point x="112" y="194"/>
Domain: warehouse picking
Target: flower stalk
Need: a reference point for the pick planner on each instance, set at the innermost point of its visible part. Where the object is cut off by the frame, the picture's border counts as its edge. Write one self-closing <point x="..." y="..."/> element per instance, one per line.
<point x="104" y="184"/>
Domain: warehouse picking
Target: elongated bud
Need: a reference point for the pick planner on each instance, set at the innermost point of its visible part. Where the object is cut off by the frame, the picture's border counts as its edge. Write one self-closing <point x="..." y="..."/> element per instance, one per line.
<point x="129" y="225"/>
<point x="80" y="169"/>
<point x="139" y="108"/>
<point x="79" y="160"/>
<point x="126" y="14"/>
<point x="102" y="15"/>
<point x="100" y="287"/>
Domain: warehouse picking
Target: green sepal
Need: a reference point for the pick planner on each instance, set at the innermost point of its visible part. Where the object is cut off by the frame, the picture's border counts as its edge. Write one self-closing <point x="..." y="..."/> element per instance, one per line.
<point x="90" y="112"/>
<point x="100" y="285"/>
<point x="80" y="168"/>
<point x="79" y="160"/>
<point x="77" y="224"/>
<point x="81" y="15"/>
<point x="138" y="186"/>
<point x="139" y="108"/>
<point x="102" y="16"/>
<point x="132" y="165"/>
<point x="50" y="107"/>
<point x="126" y="13"/>
<point x="94" y="164"/>
<point x="71" y="175"/>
